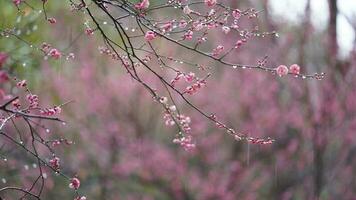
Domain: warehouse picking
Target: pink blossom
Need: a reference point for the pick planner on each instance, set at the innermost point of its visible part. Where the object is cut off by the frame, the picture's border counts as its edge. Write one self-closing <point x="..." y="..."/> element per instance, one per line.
<point x="54" y="163"/>
<point x="197" y="25"/>
<point x="150" y="35"/>
<point x="16" y="2"/>
<point x="167" y="27"/>
<point x="187" y="10"/>
<point x="210" y="2"/>
<point x="89" y="31"/>
<point x="226" y="29"/>
<point x="74" y="183"/>
<point x="81" y="198"/>
<point x="54" y="53"/>
<point x="236" y="13"/>
<point x="239" y="43"/>
<point x="190" y="77"/>
<point x="52" y="20"/>
<point x="294" y="69"/>
<point x="21" y="83"/>
<point x="218" y="50"/>
<point x="282" y="70"/>
<point x="182" y="23"/>
<point x="188" y="35"/>
<point x="143" y="5"/>
<point x="186" y="142"/>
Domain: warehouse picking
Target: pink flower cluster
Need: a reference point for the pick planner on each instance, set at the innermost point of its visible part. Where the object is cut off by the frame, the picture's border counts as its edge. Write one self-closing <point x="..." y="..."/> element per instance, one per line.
<point x="53" y="52"/>
<point x="195" y="87"/>
<point x="218" y="50"/>
<point x="283" y="70"/>
<point x="33" y="99"/>
<point x="51" y="111"/>
<point x="186" y="142"/>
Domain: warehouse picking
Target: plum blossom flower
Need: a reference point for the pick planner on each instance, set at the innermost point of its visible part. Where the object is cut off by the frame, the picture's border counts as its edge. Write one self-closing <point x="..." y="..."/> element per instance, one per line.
<point x="16" y="2"/>
<point x="89" y="31"/>
<point x="81" y="198"/>
<point x="218" y="50"/>
<point x="294" y="69"/>
<point x="190" y="77"/>
<point x="143" y="5"/>
<point x="54" y="53"/>
<point x="52" y="20"/>
<point x="150" y="35"/>
<point x="182" y="23"/>
<point x="188" y="35"/>
<point x="236" y="13"/>
<point x="54" y="163"/>
<point x="74" y="183"/>
<point x="210" y="2"/>
<point x="226" y="29"/>
<point x="187" y="10"/>
<point x="22" y="83"/>
<point x="167" y="27"/>
<point x="186" y="142"/>
<point x="282" y="70"/>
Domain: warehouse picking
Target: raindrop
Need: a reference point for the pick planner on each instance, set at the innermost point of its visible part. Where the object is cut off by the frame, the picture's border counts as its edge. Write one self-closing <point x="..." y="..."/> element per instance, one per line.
<point x="234" y="66"/>
<point x="47" y="130"/>
<point x="26" y="167"/>
<point x="3" y="180"/>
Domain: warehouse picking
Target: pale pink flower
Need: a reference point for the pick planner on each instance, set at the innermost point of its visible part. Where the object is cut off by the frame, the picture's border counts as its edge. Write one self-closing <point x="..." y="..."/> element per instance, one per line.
<point x="282" y="70"/>
<point x="54" y="163"/>
<point x="143" y="5"/>
<point x="89" y="31"/>
<point x="54" y="53"/>
<point x="187" y="10"/>
<point x="21" y="83"/>
<point x="190" y="77"/>
<point x="52" y="20"/>
<point x="210" y="2"/>
<point x="16" y="2"/>
<point x="226" y="29"/>
<point x="74" y="183"/>
<point x="182" y="23"/>
<point x="294" y="69"/>
<point x="218" y="50"/>
<point x="150" y="35"/>
<point x="188" y="35"/>
<point x="236" y="13"/>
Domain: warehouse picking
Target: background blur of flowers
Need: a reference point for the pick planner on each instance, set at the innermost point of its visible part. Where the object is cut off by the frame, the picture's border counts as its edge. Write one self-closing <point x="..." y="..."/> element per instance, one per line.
<point x="124" y="151"/>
